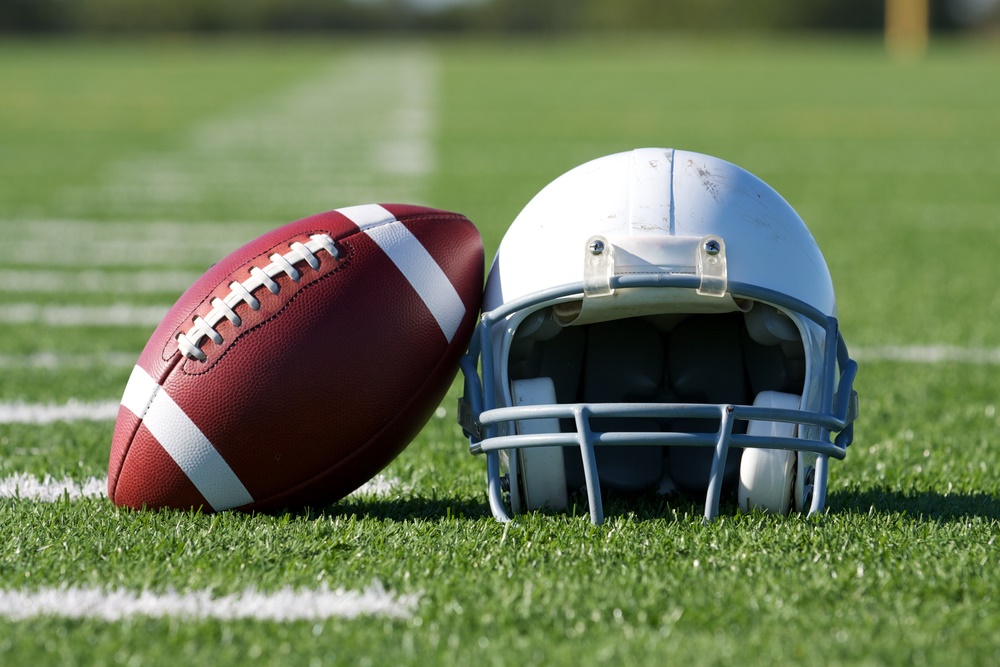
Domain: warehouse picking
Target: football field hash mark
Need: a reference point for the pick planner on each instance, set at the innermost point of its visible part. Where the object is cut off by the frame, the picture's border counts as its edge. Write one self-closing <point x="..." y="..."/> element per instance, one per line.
<point x="284" y="605"/>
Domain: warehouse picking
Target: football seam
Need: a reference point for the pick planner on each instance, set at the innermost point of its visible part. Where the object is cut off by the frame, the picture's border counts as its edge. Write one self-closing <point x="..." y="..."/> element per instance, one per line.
<point x="203" y="327"/>
<point x="343" y="263"/>
<point x="425" y="216"/>
<point x="236" y="341"/>
<point x="230" y="277"/>
<point x="189" y="317"/>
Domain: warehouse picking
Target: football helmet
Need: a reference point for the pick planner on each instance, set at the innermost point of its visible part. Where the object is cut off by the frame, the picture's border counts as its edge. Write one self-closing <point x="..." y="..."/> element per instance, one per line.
<point x="658" y="320"/>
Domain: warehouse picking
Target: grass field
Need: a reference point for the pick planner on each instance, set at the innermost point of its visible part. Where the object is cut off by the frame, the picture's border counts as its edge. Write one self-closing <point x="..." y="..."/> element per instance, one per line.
<point x="127" y="168"/>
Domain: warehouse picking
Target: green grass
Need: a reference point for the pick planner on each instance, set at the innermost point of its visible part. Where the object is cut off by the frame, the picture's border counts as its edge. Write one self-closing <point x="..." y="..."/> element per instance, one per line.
<point x="68" y="110"/>
<point x="894" y="167"/>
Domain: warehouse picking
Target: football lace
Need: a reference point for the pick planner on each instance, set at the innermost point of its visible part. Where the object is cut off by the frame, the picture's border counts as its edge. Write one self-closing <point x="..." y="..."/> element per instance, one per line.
<point x="204" y="328"/>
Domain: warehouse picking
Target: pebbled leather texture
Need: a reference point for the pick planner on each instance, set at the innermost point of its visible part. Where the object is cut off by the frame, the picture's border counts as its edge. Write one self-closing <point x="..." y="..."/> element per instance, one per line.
<point x="324" y="385"/>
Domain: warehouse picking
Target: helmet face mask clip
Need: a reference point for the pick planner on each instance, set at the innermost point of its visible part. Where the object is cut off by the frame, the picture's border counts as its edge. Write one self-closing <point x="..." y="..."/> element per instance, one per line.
<point x="658" y="320"/>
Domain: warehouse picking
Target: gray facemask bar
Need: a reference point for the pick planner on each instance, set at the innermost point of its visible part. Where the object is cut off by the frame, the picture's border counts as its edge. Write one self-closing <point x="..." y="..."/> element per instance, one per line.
<point x="480" y="417"/>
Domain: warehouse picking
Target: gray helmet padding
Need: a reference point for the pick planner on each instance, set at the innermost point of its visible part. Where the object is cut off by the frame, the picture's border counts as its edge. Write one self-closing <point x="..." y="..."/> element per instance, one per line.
<point x="705" y="362"/>
<point x="624" y="363"/>
<point x="699" y="359"/>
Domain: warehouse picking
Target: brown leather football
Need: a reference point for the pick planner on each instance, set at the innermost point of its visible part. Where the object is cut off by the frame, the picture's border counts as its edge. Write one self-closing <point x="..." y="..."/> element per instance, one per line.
<point x="301" y="364"/>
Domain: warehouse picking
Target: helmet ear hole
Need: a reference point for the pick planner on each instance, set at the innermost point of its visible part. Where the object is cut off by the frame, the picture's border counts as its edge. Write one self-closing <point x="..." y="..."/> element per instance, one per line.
<point x="769" y="326"/>
<point x="767" y="476"/>
<point x="538" y="475"/>
<point x="777" y="365"/>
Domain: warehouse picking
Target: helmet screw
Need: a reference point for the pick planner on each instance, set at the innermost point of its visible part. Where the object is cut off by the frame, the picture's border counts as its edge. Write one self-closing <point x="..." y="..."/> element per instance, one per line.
<point x="712" y="247"/>
<point x="596" y="247"/>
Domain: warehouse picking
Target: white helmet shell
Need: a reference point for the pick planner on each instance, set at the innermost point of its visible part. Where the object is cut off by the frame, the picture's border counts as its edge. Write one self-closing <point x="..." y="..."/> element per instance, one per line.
<point x="657" y="240"/>
<point x="670" y="194"/>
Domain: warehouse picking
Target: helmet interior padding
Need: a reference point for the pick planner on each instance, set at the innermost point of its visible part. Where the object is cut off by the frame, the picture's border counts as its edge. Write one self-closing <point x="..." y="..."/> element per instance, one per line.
<point x="699" y="359"/>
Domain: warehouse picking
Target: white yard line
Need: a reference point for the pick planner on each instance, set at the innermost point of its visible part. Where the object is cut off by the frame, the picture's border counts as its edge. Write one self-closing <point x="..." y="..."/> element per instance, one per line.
<point x="284" y="605"/>
<point x="95" y="281"/>
<point x="25" y="486"/>
<point x="115" y="315"/>
<point x="20" y="412"/>
<point x="48" y="489"/>
<point x="928" y="354"/>
<point x="140" y="245"/>
<point x="380" y="486"/>
<point x="59" y="361"/>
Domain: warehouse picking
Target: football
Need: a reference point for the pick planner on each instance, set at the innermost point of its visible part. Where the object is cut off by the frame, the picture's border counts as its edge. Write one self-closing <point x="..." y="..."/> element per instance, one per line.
<point x="301" y="364"/>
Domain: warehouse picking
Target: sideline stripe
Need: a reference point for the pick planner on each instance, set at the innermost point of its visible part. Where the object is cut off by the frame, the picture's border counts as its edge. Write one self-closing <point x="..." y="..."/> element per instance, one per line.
<point x="20" y="412"/>
<point x="928" y="354"/>
<point x="184" y="442"/>
<point x="415" y="263"/>
<point x="286" y="604"/>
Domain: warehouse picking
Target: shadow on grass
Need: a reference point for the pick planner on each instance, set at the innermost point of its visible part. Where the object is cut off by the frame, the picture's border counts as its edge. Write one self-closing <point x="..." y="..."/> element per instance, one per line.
<point x="640" y="507"/>
<point x="404" y="509"/>
<point x="928" y="505"/>
<point x="931" y="505"/>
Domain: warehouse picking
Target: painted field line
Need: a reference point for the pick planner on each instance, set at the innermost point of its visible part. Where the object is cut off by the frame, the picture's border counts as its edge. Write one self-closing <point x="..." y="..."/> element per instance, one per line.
<point x="284" y="605"/>
<point x="19" y="412"/>
<point x="928" y="354"/>
<point x="58" y="361"/>
<point x="90" y="244"/>
<point x="25" y="486"/>
<point x="115" y="315"/>
<point x="96" y="281"/>
<point x="125" y="233"/>
<point x="49" y="490"/>
<point x="379" y="486"/>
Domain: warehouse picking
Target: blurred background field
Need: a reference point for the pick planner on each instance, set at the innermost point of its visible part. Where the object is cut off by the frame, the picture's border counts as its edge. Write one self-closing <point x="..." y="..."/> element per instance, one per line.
<point x="140" y="142"/>
<point x="501" y="16"/>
